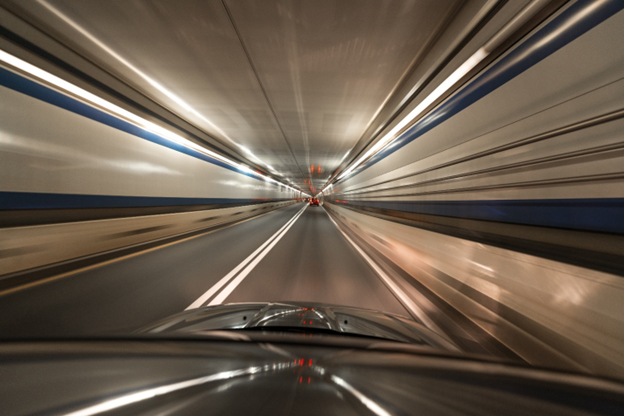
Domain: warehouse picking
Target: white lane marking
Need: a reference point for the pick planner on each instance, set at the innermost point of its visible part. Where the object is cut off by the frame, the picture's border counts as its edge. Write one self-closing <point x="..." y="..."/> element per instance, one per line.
<point x="398" y="292"/>
<point x="365" y="400"/>
<point x="226" y="292"/>
<point x="210" y="292"/>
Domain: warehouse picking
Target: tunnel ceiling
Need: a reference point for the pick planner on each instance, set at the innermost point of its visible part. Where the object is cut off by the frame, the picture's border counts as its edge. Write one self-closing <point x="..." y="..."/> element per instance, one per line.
<point x="291" y="85"/>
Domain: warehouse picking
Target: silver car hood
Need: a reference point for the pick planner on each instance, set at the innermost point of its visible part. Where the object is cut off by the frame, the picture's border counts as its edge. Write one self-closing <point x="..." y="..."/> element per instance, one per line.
<point x="300" y="317"/>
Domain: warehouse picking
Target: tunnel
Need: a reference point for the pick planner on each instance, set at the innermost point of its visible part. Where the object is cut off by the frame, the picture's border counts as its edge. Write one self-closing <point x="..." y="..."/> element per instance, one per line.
<point x="457" y="163"/>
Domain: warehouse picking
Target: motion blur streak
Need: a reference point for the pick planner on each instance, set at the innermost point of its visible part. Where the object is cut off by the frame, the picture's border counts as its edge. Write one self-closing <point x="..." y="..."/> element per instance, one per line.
<point x="469" y="152"/>
<point x="104" y="263"/>
<point x="159" y="391"/>
<point x="430" y="99"/>
<point x="398" y="292"/>
<point x="147" y="125"/>
<point x="119" y="58"/>
<point x="366" y="401"/>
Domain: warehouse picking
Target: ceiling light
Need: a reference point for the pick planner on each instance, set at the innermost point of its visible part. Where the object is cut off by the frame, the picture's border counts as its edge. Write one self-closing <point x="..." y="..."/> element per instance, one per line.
<point x="134" y="69"/>
<point x="245" y="149"/>
<point x="122" y="113"/>
<point x="421" y="107"/>
<point x="511" y="26"/>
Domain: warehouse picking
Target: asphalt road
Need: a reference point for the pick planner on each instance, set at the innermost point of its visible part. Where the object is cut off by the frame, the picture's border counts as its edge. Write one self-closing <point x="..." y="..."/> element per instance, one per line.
<point x="311" y="261"/>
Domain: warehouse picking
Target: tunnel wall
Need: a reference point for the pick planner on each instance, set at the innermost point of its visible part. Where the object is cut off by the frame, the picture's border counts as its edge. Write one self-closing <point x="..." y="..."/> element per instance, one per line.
<point x="543" y="149"/>
<point x="535" y="164"/>
<point x="508" y="200"/>
<point x="29" y="247"/>
<point x="548" y="313"/>
<point x="69" y="169"/>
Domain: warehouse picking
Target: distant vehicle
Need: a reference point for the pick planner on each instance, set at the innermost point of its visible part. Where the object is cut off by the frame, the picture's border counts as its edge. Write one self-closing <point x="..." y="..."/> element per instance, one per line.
<point x="314" y="201"/>
<point x="284" y="359"/>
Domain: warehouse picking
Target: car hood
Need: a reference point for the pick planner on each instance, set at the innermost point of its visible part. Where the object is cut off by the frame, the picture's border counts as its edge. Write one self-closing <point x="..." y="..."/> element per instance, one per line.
<point x="218" y="360"/>
<point x="300" y="317"/>
<point x="200" y="376"/>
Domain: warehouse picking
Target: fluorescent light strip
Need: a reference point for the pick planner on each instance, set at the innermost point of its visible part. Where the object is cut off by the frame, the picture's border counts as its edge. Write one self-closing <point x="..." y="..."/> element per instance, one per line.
<point x="120" y="112"/>
<point x="134" y="69"/>
<point x="148" y="79"/>
<point x="524" y="15"/>
<point x="420" y="108"/>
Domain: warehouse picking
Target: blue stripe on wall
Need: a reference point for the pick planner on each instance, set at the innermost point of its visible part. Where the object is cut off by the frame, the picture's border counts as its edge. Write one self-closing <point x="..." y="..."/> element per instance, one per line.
<point x="600" y="214"/>
<point x="31" y="200"/>
<point x="569" y="25"/>
<point x="26" y="86"/>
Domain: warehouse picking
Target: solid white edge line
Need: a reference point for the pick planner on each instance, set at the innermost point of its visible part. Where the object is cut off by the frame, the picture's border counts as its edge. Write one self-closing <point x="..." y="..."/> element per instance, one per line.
<point x="203" y="298"/>
<point x="398" y="292"/>
<point x="230" y="288"/>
